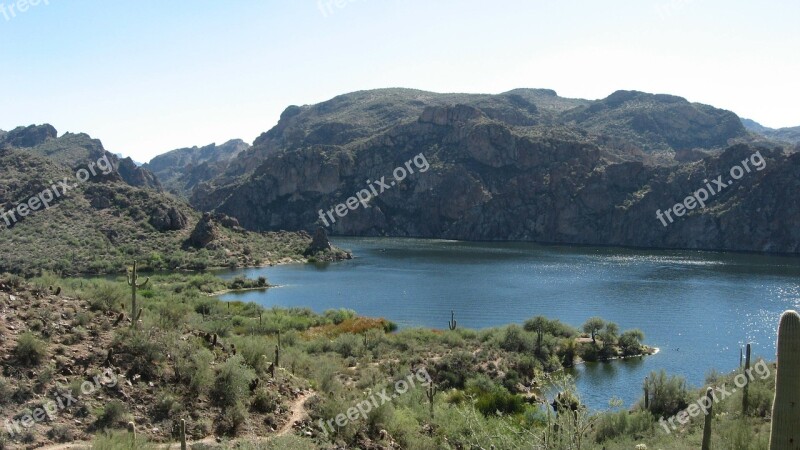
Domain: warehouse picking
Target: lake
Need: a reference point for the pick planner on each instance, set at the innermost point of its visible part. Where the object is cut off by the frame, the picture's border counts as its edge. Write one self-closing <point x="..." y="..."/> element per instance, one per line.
<point x="699" y="308"/>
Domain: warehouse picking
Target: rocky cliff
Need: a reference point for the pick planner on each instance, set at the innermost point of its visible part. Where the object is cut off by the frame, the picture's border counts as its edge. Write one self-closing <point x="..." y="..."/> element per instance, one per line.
<point x="527" y="165"/>
<point x="181" y="170"/>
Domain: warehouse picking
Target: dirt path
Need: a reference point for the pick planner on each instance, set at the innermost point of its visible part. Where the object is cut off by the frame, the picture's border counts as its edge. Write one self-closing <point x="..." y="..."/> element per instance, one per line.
<point x="298" y="413"/>
<point x="298" y="410"/>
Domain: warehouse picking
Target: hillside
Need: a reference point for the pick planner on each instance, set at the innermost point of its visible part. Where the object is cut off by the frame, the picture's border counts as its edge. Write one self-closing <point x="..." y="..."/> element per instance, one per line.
<point x="181" y="170"/>
<point x="790" y="134"/>
<point x="85" y="211"/>
<point x="525" y="165"/>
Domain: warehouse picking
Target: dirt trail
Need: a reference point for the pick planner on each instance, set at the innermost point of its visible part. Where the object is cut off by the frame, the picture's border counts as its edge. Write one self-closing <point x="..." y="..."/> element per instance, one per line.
<point x="298" y="410"/>
<point x="298" y="413"/>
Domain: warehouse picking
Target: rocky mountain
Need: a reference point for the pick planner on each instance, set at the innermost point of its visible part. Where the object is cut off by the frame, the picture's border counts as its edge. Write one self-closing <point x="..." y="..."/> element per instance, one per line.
<point x="69" y="206"/>
<point x="524" y="165"/>
<point x="789" y="134"/>
<point x="181" y="170"/>
<point x="75" y="151"/>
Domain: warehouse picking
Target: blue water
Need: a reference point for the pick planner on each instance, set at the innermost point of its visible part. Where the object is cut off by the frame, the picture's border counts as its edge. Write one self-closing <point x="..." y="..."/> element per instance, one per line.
<point x="699" y="308"/>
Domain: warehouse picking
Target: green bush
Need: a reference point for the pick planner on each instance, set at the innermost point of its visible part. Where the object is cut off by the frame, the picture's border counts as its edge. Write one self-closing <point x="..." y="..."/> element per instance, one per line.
<point x="30" y="350"/>
<point x="265" y="401"/>
<point x="623" y="423"/>
<point x="668" y="394"/>
<point x="499" y="401"/>
<point x="232" y="383"/>
<point x="107" y="296"/>
<point x="112" y="414"/>
<point x="6" y="392"/>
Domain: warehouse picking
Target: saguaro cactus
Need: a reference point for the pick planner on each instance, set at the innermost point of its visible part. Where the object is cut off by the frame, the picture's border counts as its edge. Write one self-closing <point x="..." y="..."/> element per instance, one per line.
<point x="452" y="323"/>
<point x="431" y="394"/>
<point x="133" y="282"/>
<point x="709" y="416"/>
<point x="745" y="391"/>
<point x="786" y="407"/>
<point x="132" y="433"/>
<point x="646" y="394"/>
<point x="183" y="434"/>
<point x="277" y="356"/>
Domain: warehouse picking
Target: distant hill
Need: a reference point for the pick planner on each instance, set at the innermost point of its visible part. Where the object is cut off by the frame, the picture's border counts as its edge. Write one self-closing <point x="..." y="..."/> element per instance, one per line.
<point x="790" y="135"/>
<point x="74" y="151"/>
<point x="181" y="170"/>
<point x="101" y="223"/>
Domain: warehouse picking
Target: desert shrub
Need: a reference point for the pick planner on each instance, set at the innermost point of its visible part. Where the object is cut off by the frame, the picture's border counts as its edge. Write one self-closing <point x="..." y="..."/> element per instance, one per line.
<point x="107" y="296"/>
<point x="338" y="316"/>
<point x="30" y="350"/>
<point x="193" y="367"/>
<point x="60" y="434"/>
<point x="233" y="417"/>
<point x="265" y="400"/>
<point x="623" y="423"/>
<point x="499" y="401"/>
<point x="143" y="350"/>
<point x="111" y="414"/>
<point x="253" y="349"/>
<point x="167" y="405"/>
<point x="453" y="370"/>
<point x="517" y="340"/>
<point x="172" y="314"/>
<point x="44" y="377"/>
<point x="232" y="383"/>
<point x="6" y="392"/>
<point x="348" y="345"/>
<point x="668" y="394"/>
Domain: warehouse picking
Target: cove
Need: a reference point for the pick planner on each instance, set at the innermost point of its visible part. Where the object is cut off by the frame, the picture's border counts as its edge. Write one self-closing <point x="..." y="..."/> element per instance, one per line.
<point x="699" y="308"/>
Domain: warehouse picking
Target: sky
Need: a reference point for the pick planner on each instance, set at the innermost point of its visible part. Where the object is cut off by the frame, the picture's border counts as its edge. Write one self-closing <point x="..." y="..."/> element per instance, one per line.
<point x="149" y="76"/>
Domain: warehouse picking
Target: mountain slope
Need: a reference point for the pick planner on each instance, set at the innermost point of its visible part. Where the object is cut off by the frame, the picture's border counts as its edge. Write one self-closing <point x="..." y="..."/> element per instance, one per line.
<point x="182" y="169"/>
<point x="553" y="177"/>
<point x="54" y="218"/>
<point x="789" y="134"/>
<point x="628" y="125"/>
<point x="74" y="151"/>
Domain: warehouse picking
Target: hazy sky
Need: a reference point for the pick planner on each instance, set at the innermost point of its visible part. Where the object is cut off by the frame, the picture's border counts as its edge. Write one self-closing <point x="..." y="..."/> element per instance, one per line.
<point x="149" y="76"/>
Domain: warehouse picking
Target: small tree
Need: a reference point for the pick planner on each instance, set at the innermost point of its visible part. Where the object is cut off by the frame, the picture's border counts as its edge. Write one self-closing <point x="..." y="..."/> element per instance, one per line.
<point x="609" y="334"/>
<point x="631" y="342"/>
<point x="538" y="325"/>
<point x="593" y="326"/>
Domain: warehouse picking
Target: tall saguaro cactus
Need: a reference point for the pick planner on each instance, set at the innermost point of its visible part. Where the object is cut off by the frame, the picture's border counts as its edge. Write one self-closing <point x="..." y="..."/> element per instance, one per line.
<point x="709" y="416"/>
<point x="786" y="407"/>
<point x="430" y="392"/>
<point x="133" y="282"/>
<point x="745" y="390"/>
<point x="183" y="434"/>
<point x="452" y="324"/>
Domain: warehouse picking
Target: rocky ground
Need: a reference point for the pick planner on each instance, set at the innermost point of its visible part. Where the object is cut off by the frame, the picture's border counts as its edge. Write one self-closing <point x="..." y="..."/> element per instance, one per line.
<point x="93" y="384"/>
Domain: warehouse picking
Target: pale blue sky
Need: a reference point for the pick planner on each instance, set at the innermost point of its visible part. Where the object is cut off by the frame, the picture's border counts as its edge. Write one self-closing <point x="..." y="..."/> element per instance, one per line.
<point x="148" y="76"/>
